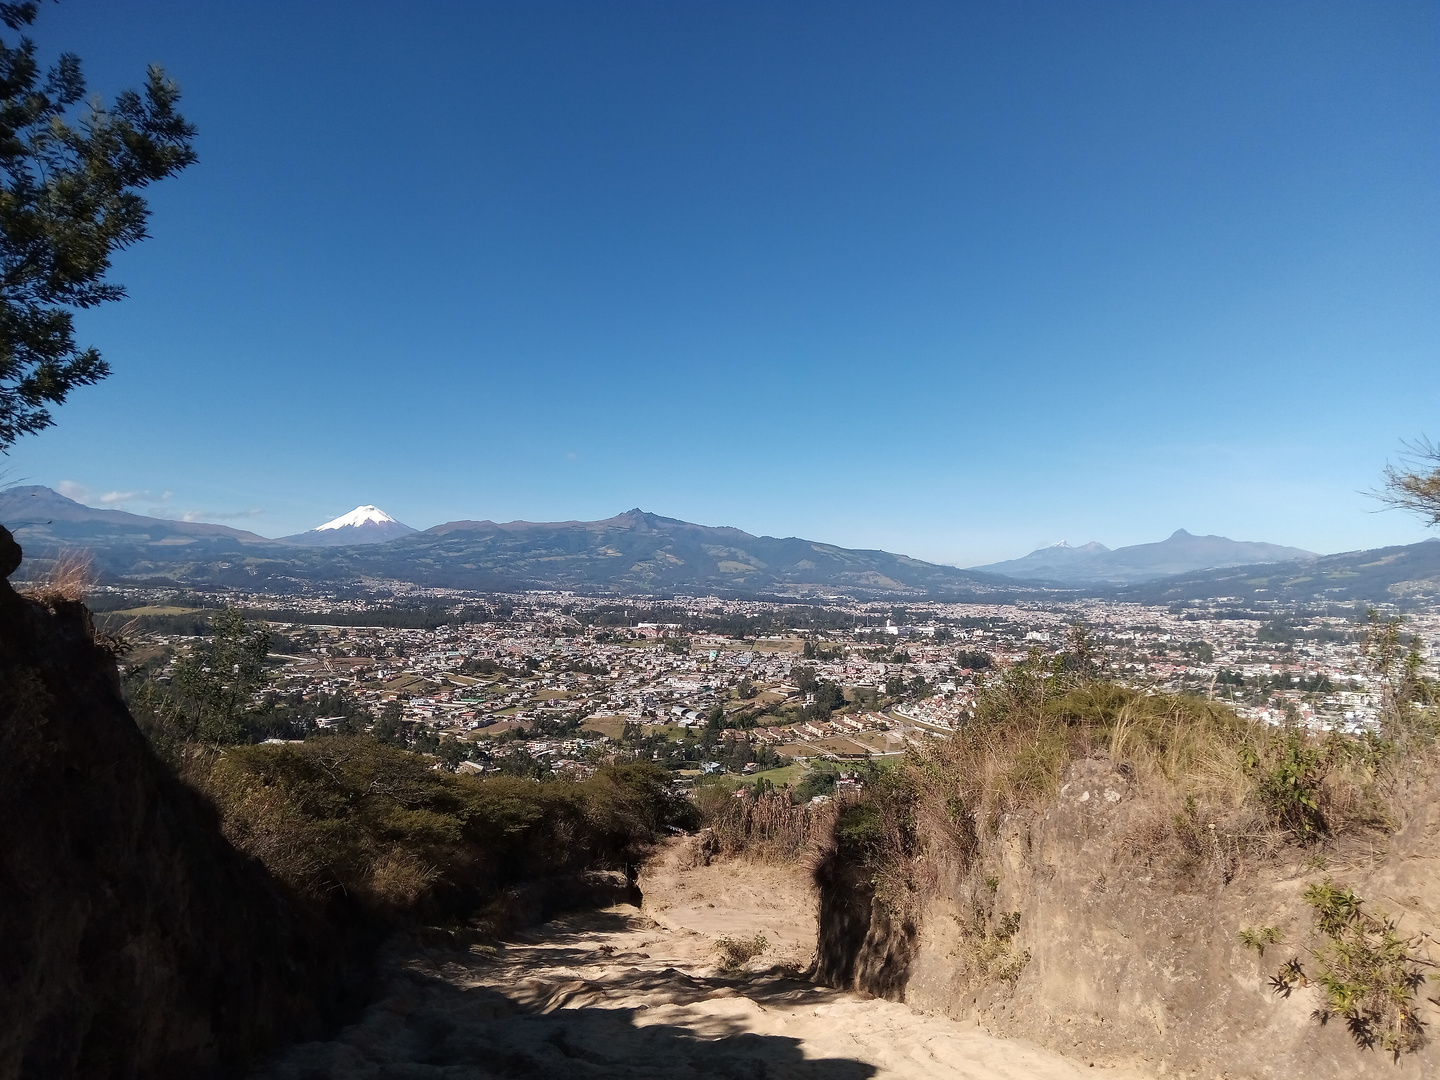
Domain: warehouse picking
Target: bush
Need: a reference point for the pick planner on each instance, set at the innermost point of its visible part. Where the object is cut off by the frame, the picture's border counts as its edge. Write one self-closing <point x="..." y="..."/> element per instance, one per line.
<point x="1367" y="974"/>
<point x="761" y="825"/>
<point x="735" y="953"/>
<point x="1209" y="790"/>
<point x="348" y="819"/>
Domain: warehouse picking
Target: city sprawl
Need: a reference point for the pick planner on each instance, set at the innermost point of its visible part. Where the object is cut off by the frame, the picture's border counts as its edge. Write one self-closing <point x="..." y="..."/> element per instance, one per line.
<point x="557" y="683"/>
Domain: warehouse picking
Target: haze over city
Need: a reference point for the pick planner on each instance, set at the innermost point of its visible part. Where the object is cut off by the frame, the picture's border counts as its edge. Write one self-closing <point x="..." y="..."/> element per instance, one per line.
<point x="949" y="280"/>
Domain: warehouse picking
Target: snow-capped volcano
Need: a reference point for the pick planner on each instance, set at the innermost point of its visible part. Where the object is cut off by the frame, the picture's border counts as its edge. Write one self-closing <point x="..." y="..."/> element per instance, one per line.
<point x="363" y="525"/>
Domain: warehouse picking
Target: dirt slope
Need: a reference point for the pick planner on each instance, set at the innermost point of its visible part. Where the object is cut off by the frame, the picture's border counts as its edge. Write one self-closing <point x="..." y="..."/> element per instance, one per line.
<point x="1120" y="964"/>
<point x="627" y="993"/>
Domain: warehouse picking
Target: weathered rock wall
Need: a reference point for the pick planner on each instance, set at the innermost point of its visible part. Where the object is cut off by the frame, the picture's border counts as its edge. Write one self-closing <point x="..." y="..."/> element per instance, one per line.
<point x="1130" y="966"/>
<point x="134" y="940"/>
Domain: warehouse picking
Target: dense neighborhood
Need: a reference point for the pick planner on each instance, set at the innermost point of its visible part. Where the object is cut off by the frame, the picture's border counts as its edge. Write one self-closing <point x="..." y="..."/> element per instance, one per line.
<point x="552" y="682"/>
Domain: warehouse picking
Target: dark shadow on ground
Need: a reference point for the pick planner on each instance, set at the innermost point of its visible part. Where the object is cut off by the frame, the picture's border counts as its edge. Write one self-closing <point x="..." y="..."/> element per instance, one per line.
<point x="479" y="1032"/>
<point x="541" y="1022"/>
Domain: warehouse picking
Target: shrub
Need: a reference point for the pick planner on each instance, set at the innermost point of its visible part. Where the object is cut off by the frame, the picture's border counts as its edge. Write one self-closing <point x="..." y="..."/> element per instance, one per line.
<point x="735" y="953"/>
<point x="1367" y="974"/>
<point x="1209" y="791"/>
<point x="347" y="817"/>
<point x="1288" y="782"/>
<point x="763" y="825"/>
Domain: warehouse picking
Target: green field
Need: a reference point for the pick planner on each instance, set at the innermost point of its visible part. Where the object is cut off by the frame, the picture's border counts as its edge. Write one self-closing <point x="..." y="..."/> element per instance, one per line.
<point x="609" y="726"/>
<point x="786" y="775"/>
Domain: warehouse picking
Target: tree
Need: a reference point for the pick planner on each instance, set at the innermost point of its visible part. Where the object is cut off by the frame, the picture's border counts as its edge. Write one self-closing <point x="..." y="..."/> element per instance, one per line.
<point x="68" y="201"/>
<point x="804" y="678"/>
<point x="1414" y="485"/>
<point x="389" y="726"/>
<point x="218" y="680"/>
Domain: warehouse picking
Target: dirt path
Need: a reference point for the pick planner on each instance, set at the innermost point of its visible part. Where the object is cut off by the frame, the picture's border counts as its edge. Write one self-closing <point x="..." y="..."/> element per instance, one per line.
<point x="627" y="993"/>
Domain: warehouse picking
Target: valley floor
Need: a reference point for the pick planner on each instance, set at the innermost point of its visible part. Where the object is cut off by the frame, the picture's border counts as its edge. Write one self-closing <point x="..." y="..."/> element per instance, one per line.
<point x="637" y="993"/>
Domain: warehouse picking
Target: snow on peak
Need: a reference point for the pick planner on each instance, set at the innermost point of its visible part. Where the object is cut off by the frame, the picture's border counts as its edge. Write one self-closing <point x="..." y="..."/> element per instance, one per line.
<point x="361" y="515"/>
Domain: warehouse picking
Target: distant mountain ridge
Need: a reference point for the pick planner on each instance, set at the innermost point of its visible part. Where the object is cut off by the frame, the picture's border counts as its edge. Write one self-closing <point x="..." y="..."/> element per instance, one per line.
<point x="645" y="553"/>
<point x="633" y="552"/>
<point x="1407" y="574"/>
<point x="1180" y="553"/>
<point x="39" y="515"/>
<point x="641" y="553"/>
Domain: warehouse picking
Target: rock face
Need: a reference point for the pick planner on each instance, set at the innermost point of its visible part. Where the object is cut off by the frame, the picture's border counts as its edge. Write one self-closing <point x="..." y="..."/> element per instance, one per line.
<point x="134" y="940"/>
<point x="1114" y="963"/>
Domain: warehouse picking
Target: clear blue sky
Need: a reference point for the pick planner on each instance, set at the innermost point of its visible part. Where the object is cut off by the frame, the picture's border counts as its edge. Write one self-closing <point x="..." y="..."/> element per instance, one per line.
<point x="948" y="279"/>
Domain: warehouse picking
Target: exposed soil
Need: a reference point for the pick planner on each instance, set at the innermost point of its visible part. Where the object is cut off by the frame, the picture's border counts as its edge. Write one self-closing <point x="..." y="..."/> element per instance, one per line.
<point x="1117" y="962"/>
<point x="638" y="993"/>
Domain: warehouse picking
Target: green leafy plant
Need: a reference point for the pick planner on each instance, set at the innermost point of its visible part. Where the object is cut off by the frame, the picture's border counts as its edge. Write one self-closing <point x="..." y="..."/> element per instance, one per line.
<point x="1258" y="937"/>
<point x="1288" y="779"/>
<point x="70" y="175"/>
<point x="1367" y="974"/>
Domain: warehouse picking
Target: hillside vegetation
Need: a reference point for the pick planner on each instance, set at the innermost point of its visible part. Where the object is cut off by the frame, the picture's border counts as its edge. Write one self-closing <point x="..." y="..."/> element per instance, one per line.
<point x="348" y="817"/>
<point x="1119" y="863"/>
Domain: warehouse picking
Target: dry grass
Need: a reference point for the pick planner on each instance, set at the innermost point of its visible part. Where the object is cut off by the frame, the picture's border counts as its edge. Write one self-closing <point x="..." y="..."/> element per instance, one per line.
<point x="766" y="828"/>
<point x="68" y="579"/>
<point x="736" y="953"/>
<point x="1210" y="793"/>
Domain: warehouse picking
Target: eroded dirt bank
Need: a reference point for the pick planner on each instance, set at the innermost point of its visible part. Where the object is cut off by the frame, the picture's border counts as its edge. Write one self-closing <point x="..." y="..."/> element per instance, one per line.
<point x="1110" y="960"/>
<point x="637" y="993"/>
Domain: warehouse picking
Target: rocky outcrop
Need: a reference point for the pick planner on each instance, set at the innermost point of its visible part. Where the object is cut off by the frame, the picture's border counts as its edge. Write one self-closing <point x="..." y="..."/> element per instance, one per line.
<point x="1113" y="962"/>
<point x="135" y="941"/>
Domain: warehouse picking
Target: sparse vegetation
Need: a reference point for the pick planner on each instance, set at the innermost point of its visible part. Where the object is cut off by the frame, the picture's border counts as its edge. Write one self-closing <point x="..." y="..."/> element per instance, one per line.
<point x="1207" y="793"/>
<point x="1414" y="484"/>
<point x="1367" y="974"/>
<point x="763" y="825"/>
<point x="988" y="952"/>
<point x="735" y="953"/>
<point x="1258" y="938"/>
<point x="66" y="579"/>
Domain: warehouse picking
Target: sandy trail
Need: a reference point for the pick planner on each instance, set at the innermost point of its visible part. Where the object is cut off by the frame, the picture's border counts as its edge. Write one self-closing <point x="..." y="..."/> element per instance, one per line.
<point x="627" y="993"/>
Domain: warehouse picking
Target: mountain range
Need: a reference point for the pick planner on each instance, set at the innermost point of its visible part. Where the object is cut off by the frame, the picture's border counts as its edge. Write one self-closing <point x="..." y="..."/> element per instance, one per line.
<point x="633" y="552"/>
<point x="1181" y="553"/>
<point x="642" y="553"/>
<point x="1406" y="575"/>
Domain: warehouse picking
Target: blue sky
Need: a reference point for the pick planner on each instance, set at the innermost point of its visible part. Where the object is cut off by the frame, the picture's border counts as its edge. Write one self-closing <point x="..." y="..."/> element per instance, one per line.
<point x="948" y="279"/>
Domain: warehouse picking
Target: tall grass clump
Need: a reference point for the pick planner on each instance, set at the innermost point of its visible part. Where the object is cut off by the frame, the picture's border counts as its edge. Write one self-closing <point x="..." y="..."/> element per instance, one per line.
<point x="762" y="825"/>
<point x="68" y="578"/>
